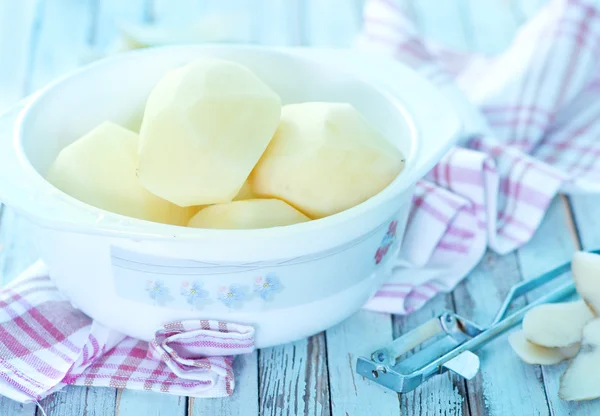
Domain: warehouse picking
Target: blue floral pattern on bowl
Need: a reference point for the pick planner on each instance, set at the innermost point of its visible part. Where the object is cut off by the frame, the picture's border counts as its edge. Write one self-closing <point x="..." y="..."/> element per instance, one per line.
<point x="386" y="242"/>
<point x="233" y="296"/>
<point x="266" y="287"/>
<point x="194" y="294"/>
<point x="158" y="292"/>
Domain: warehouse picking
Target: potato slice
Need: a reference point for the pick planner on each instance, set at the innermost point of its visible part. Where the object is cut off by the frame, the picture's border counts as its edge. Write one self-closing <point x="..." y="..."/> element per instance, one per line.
<point x="581" y="380"/>
<point x="557" y="324"/>
<point x="205" y="126"/>
<point x="531" y="353"/>
<point x="586" y="275"/>
<point x="99" y="169"/>
<point x="324" y="159"/>
<point x="248" y="214"/>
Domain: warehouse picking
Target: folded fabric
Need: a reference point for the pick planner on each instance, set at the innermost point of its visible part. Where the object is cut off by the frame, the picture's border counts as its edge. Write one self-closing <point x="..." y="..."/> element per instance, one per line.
<point x="45" y="343"/>
<point x="536" y="135"/>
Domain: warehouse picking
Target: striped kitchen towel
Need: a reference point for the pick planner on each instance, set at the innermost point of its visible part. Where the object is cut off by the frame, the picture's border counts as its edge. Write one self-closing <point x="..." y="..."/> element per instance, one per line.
<point x="533" y="132"/>
<point x="45" y="344"/>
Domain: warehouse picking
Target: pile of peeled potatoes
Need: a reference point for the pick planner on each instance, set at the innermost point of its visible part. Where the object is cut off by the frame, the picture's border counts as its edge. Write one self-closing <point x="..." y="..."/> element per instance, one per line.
<point x="216" y="149"/>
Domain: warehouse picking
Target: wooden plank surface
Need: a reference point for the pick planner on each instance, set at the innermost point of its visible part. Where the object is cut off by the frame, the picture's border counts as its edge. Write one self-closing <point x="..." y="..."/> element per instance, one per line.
<point x="293" y="378"/>
<point x="445" y="393"/>
<point x="314" y="376"/>
<point x="352" y="394"/>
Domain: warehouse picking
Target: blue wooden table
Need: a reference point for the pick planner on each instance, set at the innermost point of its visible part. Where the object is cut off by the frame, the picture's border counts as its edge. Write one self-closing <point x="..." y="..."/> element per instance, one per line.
<point x="41" y="39"/>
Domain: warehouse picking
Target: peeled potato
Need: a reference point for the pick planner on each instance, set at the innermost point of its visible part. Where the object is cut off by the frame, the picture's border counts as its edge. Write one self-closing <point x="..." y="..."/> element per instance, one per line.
<point x="532" y="353"/>
<point x="248" y="214"/>
<point x="99" y="169"/>
<point x="245" y="192"/>
<point x="586" y="275"/>
<point x="581" y="380"/>
<point x="324" y="159"/>
<point x="557" y="324"/>
<point x="205" y="126"/>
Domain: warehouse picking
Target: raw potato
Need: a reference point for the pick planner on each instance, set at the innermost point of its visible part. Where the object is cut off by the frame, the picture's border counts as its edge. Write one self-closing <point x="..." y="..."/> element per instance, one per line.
<point x="205" y="126"/>
<point x="581" y="381"/>
<point x="245" y="193"/>
<point x="532" y="353"/>
<point x="324" y="159"/>
<point x="248" y="214"/>
<point x="586" y="274"/>
<point x="557" y="324"/>
<point x="99" y="169"/>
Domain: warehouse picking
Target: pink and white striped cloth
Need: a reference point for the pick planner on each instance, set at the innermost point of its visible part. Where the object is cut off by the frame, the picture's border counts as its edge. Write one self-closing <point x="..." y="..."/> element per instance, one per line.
<point x="45" y="344"/>
<point x="534" y="136"/>
<point x="539" y="135"/>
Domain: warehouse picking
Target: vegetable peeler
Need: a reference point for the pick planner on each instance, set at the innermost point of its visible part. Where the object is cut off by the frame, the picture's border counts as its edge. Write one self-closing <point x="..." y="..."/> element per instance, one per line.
<point x="452" y="339"/>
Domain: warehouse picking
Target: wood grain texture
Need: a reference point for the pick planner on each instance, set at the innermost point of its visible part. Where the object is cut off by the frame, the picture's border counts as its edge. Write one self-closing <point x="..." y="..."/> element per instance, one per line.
<point x="501" y="375"/>
<point x="351" y="394"/>
<point x="279" y="22"/>
<point x="446" y="22"/>
<point x="293" y="378"/>
<point x="492" y="25"/>
<point x="332" y="23"/>
<point x="147" y="403"/>
<point x="18" y="22"/>
<point x="12" y="408"/>
<point x="586" y="209"/>
<point x="245" y="396"/>
<point x="445" y="394"/>
<point x="111" y="14"/>
<point x="553" y="245"/>
<point x="65" y="32"/>
<point x="72" y="401"/>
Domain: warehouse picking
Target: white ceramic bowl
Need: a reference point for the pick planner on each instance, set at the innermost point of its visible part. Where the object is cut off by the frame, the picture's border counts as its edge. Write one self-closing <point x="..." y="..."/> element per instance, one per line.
<point x="289" y="282"/>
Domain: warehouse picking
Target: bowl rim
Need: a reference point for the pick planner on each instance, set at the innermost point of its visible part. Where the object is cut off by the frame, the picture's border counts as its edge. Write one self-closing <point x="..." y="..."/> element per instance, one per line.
<point x="109" y="222"/>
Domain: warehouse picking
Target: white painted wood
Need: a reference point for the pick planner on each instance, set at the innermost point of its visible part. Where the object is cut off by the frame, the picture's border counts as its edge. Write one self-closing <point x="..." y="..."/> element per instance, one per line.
<point x="175" y="12"/>
<point x="293" y="378"/>
<point x="492" y="25"/>
<point x="357" y="336"/>
<point x="505" y="385"/>
<point x="553" y="245"/>
<point x="17" y="250"/>
<point x="17" y="27"/>
<point x="445" y="22"/>
<point x="445" y="393"/>
<point x="332" y="23"/>
<point x="111" y="14"/>
<point x="146" y="403"/>
<point x="278" y="22"/>
<point x="66" y="30"/>
<point x="12" y="408"/>
<point x="245" y="396"/>
<point x="72" y="401"/>
<point x="587" y="219"/>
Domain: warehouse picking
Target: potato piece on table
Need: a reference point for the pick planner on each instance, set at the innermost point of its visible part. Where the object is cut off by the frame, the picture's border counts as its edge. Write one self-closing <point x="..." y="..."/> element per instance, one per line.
<point x="205" y="126"/>
<point x="581" y="380"/>
<point x="324" y="159"/>
<point x="586" y="275"/>
<point x="248" y="214"/>
<point x="531" y="353"/>
<point x="99" y="169"/>
<point x="557" y="324"/>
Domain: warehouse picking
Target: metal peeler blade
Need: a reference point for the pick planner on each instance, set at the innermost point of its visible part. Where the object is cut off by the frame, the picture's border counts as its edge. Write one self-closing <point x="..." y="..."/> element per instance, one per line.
<point x="452" y="340"/>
